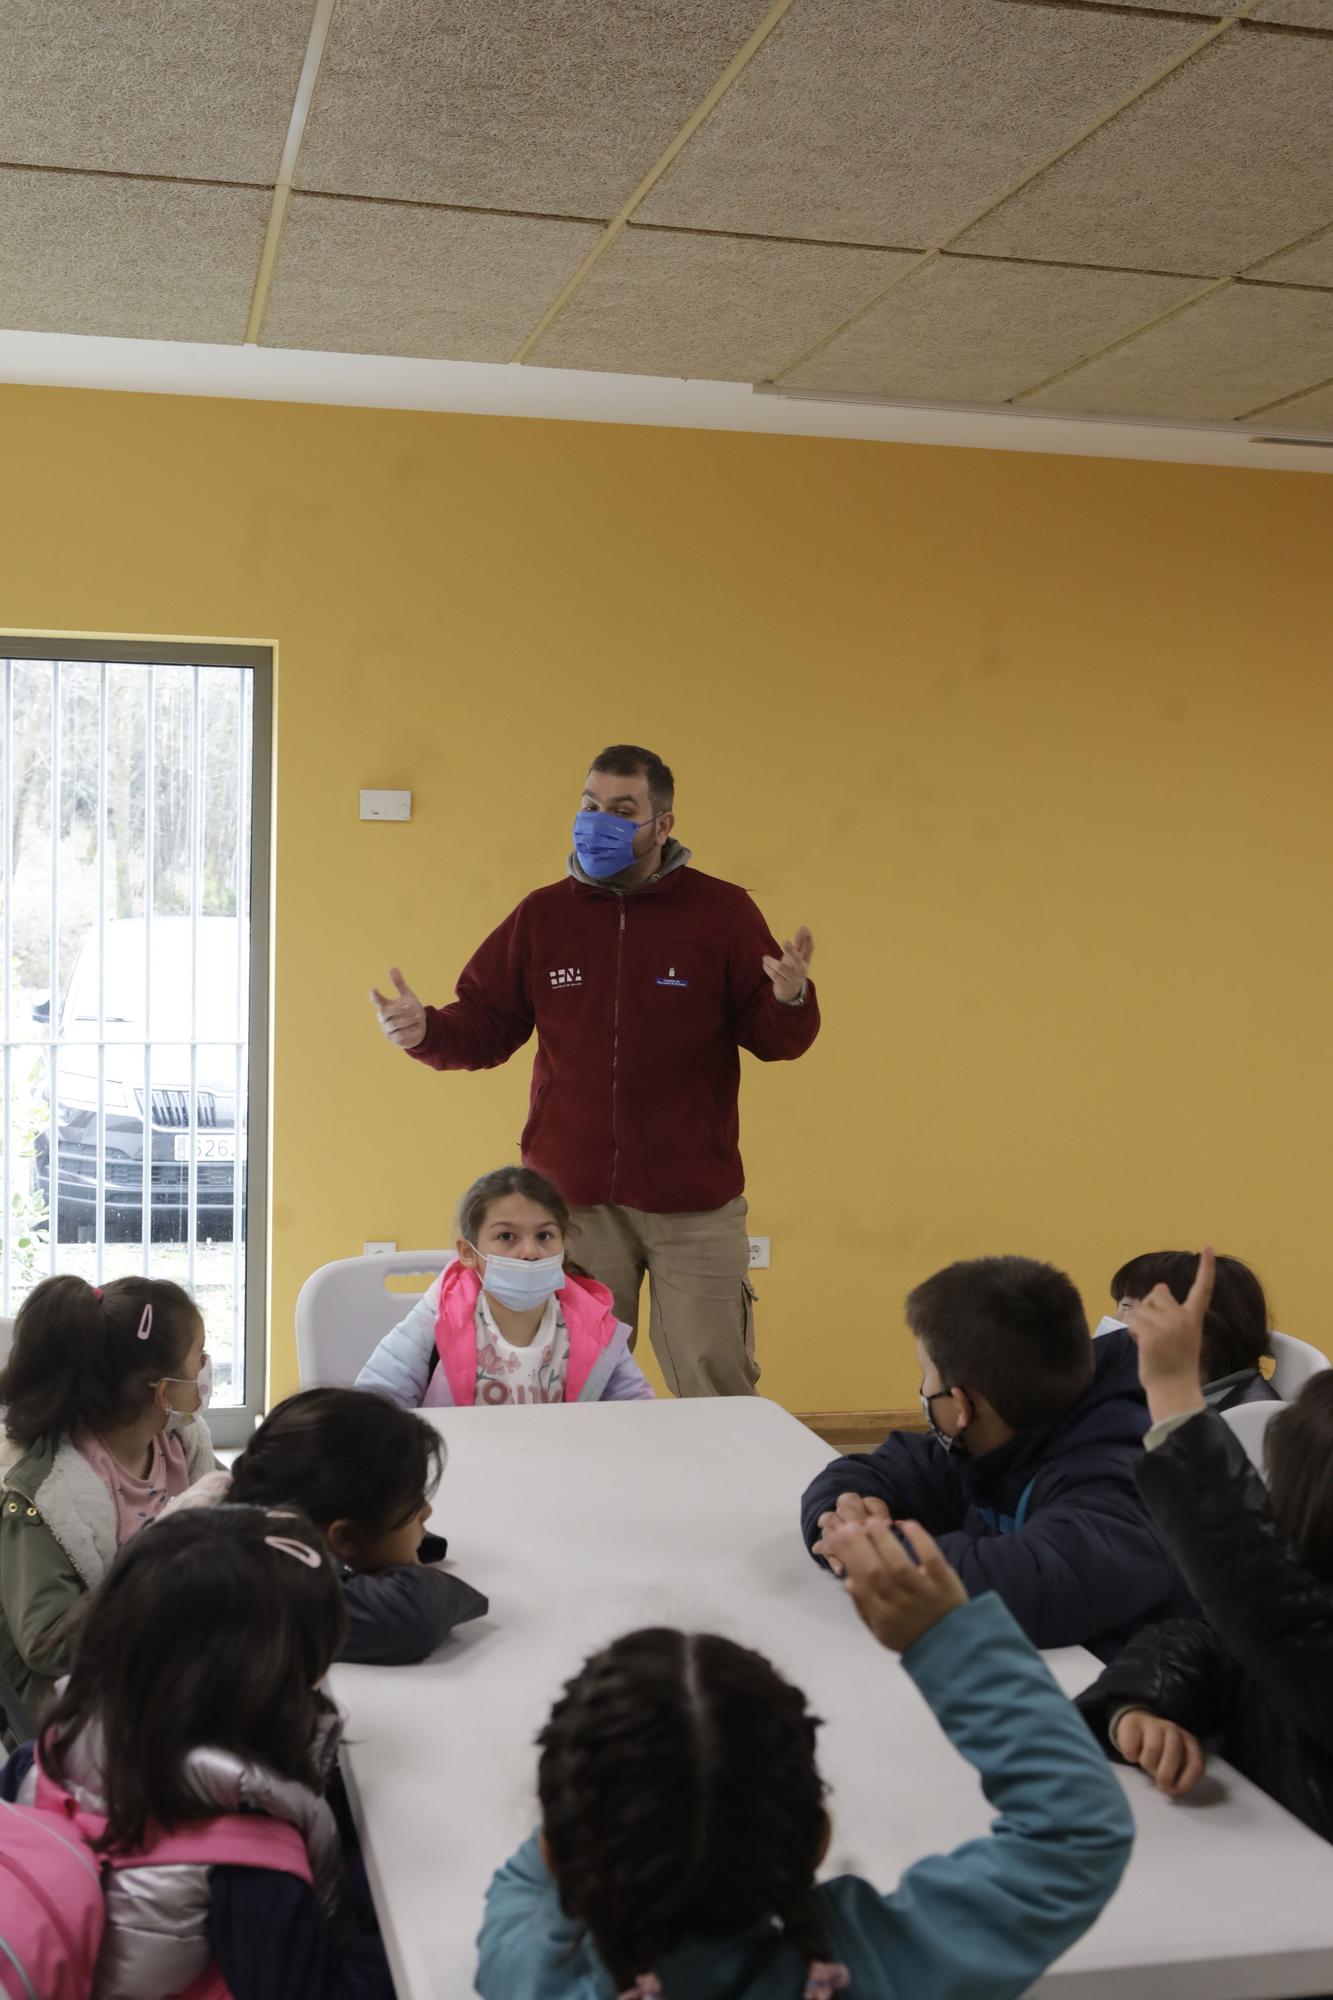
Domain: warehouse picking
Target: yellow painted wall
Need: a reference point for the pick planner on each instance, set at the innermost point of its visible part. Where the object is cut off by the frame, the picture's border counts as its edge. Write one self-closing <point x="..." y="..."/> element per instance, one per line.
<point x="1040" y="747"/>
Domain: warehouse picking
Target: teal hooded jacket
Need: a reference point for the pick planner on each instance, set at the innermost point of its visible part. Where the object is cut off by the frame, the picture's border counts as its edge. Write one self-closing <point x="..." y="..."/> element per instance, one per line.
<point x="981" y="1923"/>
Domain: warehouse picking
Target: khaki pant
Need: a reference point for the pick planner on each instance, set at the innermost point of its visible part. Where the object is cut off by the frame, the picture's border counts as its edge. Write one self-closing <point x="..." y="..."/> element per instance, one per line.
<point x="702" y="1323"/>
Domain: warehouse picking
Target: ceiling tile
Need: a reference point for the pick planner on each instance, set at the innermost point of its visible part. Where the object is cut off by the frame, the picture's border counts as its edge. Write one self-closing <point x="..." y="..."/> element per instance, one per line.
<point x="1314" y="412"/>
<point x="894" y="124"/>
<point x="357" y="277"/>
<point x="151" y="86"/>
<point x="151" y="260"/>
<point x="559" y="106"/>
<point x="1309" y="264"/>
<point x="1240" y="347"/>
<point x="1230" y="157"/>
<point x="1297" y="13"/>
<point x="659" y="302"/>
<point x="963" y="330"/>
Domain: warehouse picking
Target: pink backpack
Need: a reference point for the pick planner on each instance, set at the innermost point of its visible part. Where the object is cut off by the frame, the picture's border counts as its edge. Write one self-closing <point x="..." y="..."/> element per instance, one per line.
<point x="51" y="1905"/>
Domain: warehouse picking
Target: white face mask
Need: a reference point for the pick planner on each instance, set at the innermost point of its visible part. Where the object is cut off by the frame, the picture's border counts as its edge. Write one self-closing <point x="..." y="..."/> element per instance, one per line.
<point x="203" y="1382"/>
<point x="520" y="1283"/>
<point x="1108" y="1325"/>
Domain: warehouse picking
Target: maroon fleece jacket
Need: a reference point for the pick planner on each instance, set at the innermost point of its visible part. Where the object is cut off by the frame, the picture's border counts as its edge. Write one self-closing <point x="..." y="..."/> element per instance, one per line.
<point x="642" y="1004"/>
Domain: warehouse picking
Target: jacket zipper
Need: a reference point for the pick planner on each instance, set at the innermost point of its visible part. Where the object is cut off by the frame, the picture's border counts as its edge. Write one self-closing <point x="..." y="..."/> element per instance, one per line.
<point x="615" y="1056"/>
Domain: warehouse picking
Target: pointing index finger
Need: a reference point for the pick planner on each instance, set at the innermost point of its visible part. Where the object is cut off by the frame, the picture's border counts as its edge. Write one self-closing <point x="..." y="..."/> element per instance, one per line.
<point x="1201" y="1291"/>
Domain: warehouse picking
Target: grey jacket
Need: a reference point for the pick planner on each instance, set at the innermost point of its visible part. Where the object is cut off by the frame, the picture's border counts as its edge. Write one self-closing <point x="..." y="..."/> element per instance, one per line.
<point x="57" y="1540"/>
<point x="156" y="1938"/>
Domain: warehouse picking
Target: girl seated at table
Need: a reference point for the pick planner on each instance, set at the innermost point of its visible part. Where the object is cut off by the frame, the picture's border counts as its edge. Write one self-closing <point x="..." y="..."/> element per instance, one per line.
<point x="363" y="1471"/>
<point x="683" y="1818"/>
<point x="1253" y="1673"/>
<point x="509" y="1320"/>
<point x="1236" y="1329"/>
<point x="193" y="1716"/>
<point x="101" y="1396"/>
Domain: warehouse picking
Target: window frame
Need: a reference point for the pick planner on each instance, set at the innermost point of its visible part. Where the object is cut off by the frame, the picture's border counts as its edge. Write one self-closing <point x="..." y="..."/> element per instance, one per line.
<point x="229" y="1427"/>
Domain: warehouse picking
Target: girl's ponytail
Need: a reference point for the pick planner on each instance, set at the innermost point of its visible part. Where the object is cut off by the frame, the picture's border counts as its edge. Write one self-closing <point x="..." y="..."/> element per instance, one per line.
<point x="82" y="1353"/>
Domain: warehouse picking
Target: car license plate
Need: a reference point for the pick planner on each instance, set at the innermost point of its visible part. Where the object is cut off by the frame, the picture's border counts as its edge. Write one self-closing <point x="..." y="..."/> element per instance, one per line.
<point x="207" y="1145"/>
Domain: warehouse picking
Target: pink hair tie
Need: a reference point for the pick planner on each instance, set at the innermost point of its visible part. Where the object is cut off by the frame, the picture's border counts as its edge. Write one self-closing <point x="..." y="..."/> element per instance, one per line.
<point x="289" y="1546"/>
<point x="823" y="1980"/>
<point x="645" y="1987"/>
<point x="145" y="1323"/>
<point x="97" y="1293"/>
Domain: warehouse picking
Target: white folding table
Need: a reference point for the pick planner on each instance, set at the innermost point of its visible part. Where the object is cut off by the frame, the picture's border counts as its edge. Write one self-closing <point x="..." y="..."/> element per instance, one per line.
<point x="585" y="1521"/>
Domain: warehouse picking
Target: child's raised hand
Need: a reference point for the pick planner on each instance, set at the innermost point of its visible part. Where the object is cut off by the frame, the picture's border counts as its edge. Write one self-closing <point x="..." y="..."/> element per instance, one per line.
<point x="1170" y="1341"/>
<point x="402" y="1020"/>
<point x="1172" y="1757"/>
<point x="850" y="1507"/>
<point x="898" y="1599"/>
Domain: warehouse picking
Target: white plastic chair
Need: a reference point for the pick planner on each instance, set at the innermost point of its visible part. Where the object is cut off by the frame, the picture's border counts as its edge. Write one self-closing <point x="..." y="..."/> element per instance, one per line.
<point x="1249" y="1421"/>
<point x="343" y="1312"/>
<point x="1296" y="1362"/>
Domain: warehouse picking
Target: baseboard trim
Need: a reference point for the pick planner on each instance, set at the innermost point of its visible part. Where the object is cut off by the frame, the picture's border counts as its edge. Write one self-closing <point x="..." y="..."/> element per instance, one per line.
<point x="864" y="1420"/>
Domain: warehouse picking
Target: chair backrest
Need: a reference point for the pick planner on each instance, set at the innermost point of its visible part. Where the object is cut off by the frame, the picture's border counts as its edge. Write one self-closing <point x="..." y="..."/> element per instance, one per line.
<point x="1296" y="1362"/>
<point x="344" y="1310"/>
<point x="1249" y="1421"/>
<point x="6" y="1339"/>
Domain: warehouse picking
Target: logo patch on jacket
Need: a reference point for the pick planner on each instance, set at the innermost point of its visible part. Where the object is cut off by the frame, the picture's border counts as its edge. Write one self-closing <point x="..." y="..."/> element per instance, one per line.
<point x="566" y="975"/>
<point x="671" y="979"/>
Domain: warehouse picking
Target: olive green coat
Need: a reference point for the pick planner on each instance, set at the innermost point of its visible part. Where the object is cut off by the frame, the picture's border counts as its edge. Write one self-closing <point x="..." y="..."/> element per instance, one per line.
<point x="57" y="1540"/>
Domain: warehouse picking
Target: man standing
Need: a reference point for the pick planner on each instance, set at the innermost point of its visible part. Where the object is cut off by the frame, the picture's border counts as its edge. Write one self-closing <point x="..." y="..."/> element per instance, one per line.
<point x="644" y="980"/>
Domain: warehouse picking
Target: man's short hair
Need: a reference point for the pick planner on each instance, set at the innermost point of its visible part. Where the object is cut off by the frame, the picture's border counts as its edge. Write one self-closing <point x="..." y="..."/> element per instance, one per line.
<point x="1010" y="1328"/>
<point x="631" y="760"/>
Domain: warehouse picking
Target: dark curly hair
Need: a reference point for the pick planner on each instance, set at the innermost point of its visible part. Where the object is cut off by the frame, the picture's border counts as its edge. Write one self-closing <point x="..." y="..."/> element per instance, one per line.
<point x="680" y="1796"/>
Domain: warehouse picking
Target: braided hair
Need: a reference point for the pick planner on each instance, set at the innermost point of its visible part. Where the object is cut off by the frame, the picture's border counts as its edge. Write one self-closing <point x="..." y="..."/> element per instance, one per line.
<point x="680" y="1796"/>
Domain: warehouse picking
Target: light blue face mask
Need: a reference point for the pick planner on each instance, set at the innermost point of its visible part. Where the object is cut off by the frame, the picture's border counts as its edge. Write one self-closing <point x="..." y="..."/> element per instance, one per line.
<point x="604" y="843"/>
<point x="522" y="1283"/>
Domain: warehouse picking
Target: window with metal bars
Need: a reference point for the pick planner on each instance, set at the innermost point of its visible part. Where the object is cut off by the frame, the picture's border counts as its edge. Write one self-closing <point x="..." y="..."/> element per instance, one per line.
<point x="134" y="909"/>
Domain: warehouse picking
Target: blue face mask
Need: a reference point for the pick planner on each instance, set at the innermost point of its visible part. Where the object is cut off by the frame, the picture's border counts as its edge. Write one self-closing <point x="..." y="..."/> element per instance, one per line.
<point x="522" y="1283"/>
<point x="604" y="843"/>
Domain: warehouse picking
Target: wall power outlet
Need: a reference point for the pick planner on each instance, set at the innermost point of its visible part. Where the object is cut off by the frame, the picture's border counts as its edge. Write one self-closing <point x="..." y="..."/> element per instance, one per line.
<point x="760" y="1252"/>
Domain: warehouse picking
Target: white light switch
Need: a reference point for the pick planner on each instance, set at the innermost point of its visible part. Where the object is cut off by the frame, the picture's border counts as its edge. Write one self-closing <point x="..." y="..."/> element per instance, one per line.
<point x="378" y="1249"/>
<point x="386" y="805"/>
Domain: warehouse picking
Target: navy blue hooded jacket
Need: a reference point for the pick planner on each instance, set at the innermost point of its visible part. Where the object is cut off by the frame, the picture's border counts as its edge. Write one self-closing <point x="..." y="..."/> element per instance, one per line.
<point x="1051" y="1521"/>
